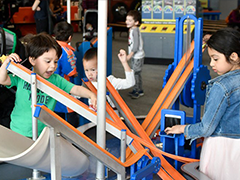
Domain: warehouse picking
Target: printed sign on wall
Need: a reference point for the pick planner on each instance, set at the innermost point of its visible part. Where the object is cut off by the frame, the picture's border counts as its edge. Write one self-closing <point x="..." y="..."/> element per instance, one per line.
<point x="168" y="9"/>
<point x="190" y="7"/>
<point x="157" y="9"/>
<point x="146" y="9"/>
<point x="178" y="8"/>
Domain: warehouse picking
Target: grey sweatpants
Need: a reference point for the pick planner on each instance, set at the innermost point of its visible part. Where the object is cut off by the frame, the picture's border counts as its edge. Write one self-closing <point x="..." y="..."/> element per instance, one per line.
<point x="137" y="67"/>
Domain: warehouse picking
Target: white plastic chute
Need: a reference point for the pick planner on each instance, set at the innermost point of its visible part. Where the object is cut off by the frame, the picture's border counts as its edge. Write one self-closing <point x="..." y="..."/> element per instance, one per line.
<point x="22" y="151"/>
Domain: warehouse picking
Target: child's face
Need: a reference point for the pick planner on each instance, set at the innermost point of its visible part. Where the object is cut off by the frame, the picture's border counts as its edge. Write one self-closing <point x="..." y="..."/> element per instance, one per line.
<point x="46" y="64"/>
<point x="219" y="63"/>
<point x="90" y="68"/>
<point x="130" y="22"/>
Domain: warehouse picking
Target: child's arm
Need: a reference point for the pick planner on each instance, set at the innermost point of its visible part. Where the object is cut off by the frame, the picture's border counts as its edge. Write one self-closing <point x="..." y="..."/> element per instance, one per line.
<point x="85" y="93"/>
<point x="129" y="81"/>
<point x="35" y="5"/>
<point x="122" y="55"/>
<point x="130" y="55"/>
<point x="4" y="78"/>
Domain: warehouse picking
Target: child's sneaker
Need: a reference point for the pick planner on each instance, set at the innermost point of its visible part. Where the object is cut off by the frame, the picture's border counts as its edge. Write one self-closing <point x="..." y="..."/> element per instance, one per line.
<point x="141" y="93"/>
<point x="132" y="92"/>
<point x="135" y="95"/>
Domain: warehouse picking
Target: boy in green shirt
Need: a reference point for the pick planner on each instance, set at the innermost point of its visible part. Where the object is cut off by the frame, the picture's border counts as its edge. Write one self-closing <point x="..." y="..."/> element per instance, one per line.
<point x="43" y="52"/>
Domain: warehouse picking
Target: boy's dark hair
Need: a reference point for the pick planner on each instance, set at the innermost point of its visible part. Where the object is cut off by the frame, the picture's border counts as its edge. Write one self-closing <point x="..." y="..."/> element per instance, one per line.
<point x="41" y="43"/>
<point x="63" y="30"/>
<point x="136" y="15"/>
<point x="25" y="39"/>
<point x="90" y="54"/>
<point x="226" y="41"/>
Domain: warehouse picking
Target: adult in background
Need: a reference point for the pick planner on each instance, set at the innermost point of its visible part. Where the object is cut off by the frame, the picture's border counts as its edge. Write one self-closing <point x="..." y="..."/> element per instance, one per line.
<point x="89" y="4"/>
<point x="42" y="15"/>
<point x="233" y="19"/>
<point x="57" y="11"/>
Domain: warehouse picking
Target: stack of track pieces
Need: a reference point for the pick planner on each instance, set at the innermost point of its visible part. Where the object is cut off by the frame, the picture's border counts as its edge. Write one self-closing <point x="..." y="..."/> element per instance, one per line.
<point x="211" y="26"/>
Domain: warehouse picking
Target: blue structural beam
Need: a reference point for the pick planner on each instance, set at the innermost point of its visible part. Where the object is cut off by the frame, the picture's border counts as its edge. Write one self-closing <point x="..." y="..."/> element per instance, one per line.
<point x="145" y="170"/>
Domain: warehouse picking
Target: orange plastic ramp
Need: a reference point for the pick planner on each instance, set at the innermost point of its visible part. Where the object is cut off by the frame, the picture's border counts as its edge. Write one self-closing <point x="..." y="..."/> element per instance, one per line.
<point x="168" y="100"/>
<point x="136" y="144"/>
<point x="71" y="133"/>
<point x="168" y="87"/>
<point x="66" y="99"/>
<point x="171" y="97"/>
<point x="172" y="173"/>
<point x="144" y="142"/>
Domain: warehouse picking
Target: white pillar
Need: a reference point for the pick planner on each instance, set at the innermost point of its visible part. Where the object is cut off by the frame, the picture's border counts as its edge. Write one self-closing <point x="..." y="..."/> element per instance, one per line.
<point x="69" y="11"/>
<point x="102" y="67"/>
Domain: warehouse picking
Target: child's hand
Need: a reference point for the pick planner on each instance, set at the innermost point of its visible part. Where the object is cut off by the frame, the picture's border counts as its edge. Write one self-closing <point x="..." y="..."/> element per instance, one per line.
<point x="92" y="108"/>
<point x="93" y="98"/>
<point x="177" y="129"/>
<point x="12" y="57"/>
<point x="122" y="55"/>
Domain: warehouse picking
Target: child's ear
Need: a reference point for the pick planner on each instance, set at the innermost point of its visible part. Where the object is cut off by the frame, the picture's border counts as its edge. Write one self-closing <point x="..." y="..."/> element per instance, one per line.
<point x="69" y="38"/>
<point x="234" y="56"/>
<point x="32" y="61"/>
<point x="136" y="23"/>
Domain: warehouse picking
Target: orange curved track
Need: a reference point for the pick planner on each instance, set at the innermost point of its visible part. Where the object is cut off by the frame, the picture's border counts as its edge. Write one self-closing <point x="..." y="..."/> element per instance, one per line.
<point x="164" y="101"/>
<point x="167" y="96"/>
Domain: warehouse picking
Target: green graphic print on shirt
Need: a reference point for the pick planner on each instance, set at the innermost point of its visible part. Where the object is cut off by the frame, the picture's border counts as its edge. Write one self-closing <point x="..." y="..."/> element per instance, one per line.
<point x="21" y="116"/>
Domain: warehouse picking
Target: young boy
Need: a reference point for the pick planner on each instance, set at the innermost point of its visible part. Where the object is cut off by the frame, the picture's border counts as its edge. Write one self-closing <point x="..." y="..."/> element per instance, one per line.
<point x="43" y="52"/>
<point x="66" y="67"/>
<point x="90" y="68"/>
<point x="135" y="50"/>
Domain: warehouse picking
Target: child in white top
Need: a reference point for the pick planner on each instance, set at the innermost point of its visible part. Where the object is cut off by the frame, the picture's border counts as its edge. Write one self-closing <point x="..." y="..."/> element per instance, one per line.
<point x="90" y="68"/>
<point x="135" y="51"/>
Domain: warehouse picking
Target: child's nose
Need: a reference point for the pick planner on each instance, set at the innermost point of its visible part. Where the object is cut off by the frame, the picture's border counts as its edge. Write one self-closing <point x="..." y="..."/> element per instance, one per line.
<point x="211" y="63"/>
<point x="53" y="64"/>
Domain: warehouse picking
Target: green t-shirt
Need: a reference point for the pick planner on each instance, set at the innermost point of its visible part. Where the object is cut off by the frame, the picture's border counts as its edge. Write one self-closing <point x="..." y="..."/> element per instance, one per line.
<point x="21" y="116"/>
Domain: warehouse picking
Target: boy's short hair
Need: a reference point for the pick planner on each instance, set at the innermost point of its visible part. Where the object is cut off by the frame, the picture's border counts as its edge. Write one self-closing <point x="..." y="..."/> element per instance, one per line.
<point x="25" y="39"/>
<point x="90" y="54"/>
<point x="63" y="30"/>
<point x="135" y="14"/>
<point x="41" y="43"/>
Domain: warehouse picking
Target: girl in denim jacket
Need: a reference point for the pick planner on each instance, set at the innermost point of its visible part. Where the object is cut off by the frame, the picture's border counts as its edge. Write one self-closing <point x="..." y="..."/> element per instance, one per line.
<point x="220" y="125"/>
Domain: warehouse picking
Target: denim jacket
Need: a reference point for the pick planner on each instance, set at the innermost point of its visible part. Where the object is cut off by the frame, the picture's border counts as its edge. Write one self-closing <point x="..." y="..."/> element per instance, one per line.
<point x="222" y="109"/>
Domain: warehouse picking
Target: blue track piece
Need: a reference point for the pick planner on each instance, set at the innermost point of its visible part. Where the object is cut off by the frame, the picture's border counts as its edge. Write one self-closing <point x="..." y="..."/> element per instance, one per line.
<point x="168" y="74"/>
<point x="147" y="169"/>
<point x="186" y="95"/>
<point x="199" y="82"/>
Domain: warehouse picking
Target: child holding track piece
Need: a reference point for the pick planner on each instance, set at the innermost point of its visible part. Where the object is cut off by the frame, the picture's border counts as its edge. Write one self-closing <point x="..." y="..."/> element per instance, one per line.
<point x="43" y="53"/>
<point x="135" y="51"/>
<point x="220" y="124"/>
<point x="90" y="68"/>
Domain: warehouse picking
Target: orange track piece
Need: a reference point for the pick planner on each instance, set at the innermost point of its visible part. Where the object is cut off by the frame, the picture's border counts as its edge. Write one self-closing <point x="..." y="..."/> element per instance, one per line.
<point x="174" y="173"/>
<point x="128" y="163"/>
<point x="162" y="173"/>
<point x="167" y="89"/>
<point x="165" y="164"/>
<point x="171" y="97"/>
<point x="167" y="102"/>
